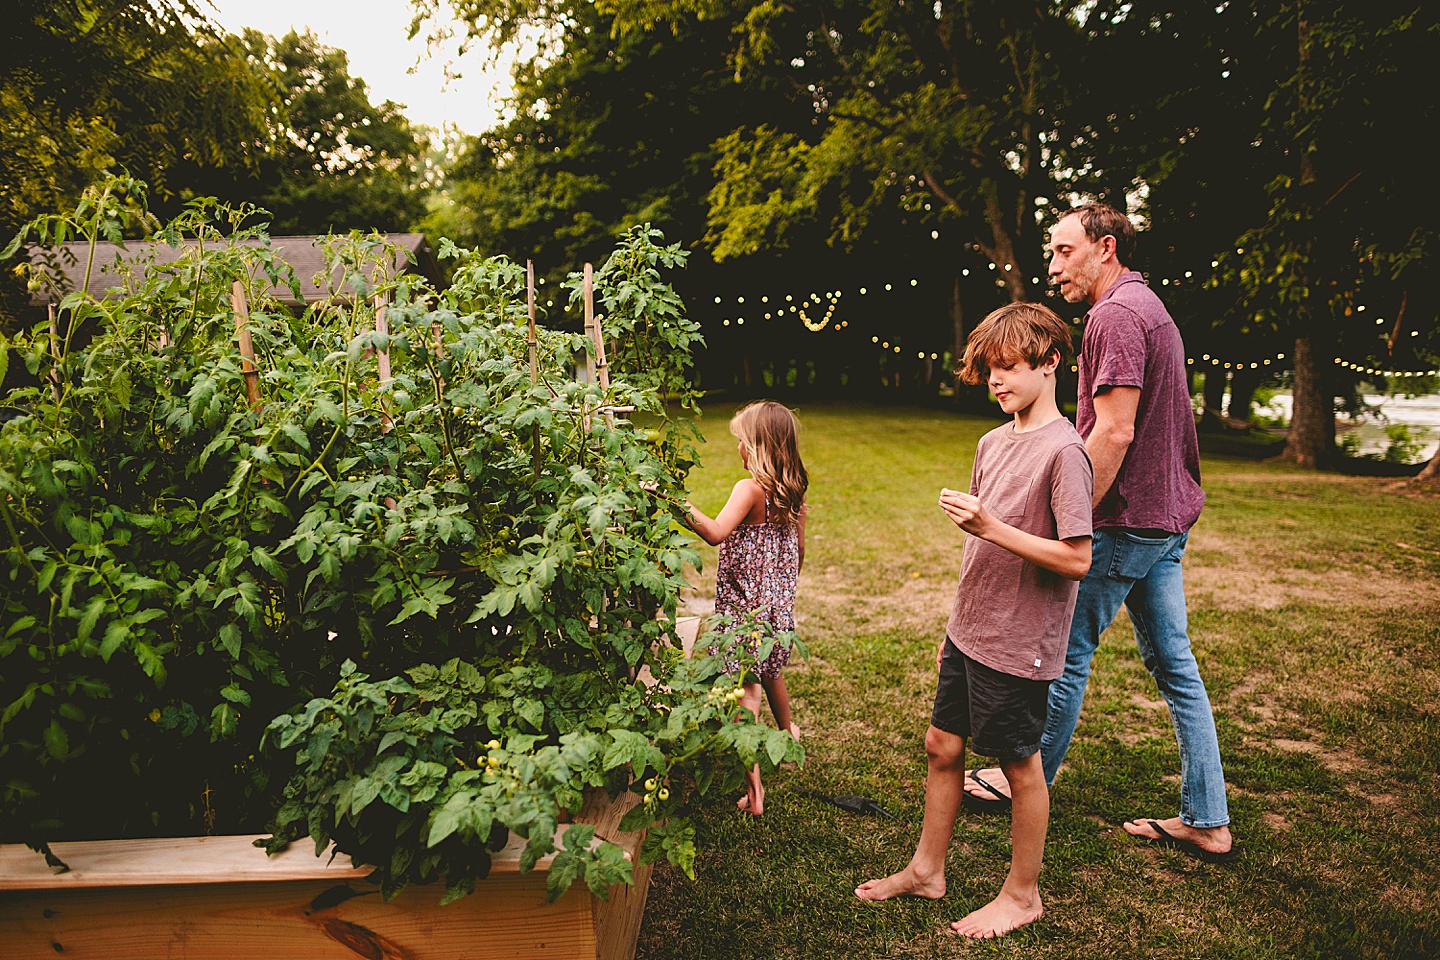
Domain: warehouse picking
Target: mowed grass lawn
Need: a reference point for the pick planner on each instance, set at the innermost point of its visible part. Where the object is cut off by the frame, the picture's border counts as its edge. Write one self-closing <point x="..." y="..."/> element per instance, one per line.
<point x="1315" y="614"/>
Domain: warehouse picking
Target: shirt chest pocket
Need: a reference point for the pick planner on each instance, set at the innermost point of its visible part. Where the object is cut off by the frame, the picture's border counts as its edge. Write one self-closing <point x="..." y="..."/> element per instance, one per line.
<point x="1008" y="495"/>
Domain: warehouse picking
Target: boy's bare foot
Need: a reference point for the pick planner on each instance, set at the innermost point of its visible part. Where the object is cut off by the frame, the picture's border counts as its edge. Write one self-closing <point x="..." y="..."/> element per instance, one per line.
<point x="753" y="802"/>
<point x="991" y="775"/>
<point x="906" y="883"/>
<point x="795" y="731"/>
<point x="1214" y="840"/>
<point x="1000" y="916"/>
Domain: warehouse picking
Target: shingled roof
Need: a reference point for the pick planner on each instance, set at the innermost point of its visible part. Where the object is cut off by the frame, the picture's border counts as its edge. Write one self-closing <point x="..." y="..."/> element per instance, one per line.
<point x="114" y="264"/>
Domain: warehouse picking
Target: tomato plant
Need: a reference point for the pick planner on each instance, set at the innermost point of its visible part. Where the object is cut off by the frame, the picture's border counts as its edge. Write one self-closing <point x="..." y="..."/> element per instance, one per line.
<point x="181" y="565"/>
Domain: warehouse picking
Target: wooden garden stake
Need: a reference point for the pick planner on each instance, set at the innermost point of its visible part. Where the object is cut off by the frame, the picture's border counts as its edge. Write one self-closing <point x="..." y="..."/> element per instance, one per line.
<point x="247" y="347"/>
<point x="382" y="359"/>
<point x="533" y="342"/>
<point x="597" y="366"/>
<point x="590" y="321"/>
<point x="534" y="345"/>
<point x="54" y="375"/>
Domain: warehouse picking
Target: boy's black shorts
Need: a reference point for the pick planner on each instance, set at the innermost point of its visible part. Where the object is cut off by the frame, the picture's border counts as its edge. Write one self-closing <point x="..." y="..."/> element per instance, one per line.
<point x="1001" y="715"/>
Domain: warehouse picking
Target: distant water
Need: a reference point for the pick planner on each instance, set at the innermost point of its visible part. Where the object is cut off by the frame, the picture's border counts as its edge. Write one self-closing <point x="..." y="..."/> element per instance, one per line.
<point x="1420" y="414"/>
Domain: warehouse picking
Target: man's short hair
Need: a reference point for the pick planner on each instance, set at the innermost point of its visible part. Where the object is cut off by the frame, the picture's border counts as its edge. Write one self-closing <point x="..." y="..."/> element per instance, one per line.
<point x="1103" y="220"/>
<point x="1017" y="331"/>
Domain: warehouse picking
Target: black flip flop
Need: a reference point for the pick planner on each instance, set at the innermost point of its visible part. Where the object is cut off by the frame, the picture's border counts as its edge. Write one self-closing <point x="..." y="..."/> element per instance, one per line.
<point x="1188" y="847"/>
<point x="974" y="804"/>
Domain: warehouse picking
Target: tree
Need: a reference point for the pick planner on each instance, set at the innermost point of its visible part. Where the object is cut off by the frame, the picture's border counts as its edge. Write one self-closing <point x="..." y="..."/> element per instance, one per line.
<point x="333" y="160"/>
<point x="139" y="84"/>
<point x="974" y="121"/>
<point x="1338" y="263"/>
<point x="937" y="110"/>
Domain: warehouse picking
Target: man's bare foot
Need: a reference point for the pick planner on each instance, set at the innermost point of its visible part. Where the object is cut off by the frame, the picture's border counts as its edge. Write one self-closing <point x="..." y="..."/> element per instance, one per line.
<point x="906" y="883"/>
<point x="795" y="731"/>
<point x="1213" y="840"/>
<point x="1000" y="916"/>
<point x="753" y="802"/>
<point x="991" y="775"/>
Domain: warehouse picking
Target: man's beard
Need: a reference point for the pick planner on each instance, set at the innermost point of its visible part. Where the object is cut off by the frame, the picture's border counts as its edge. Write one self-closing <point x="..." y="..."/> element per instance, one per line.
<point x="1082" y="280"/>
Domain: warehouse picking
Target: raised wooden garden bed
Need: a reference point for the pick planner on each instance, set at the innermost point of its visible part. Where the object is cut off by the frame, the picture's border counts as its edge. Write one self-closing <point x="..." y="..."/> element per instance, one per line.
<point x="223" y="898"/>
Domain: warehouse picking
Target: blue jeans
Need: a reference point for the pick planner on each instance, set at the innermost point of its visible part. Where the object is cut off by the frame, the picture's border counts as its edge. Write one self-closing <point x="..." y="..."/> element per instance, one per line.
<point x="1143" y="573"/>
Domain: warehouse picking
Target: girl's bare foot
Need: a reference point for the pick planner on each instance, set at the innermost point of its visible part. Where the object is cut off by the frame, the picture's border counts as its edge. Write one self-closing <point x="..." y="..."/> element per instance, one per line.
<point x="753" y="802"/>
<point x="1000" y="916"/>
<point x="906" y="883"/>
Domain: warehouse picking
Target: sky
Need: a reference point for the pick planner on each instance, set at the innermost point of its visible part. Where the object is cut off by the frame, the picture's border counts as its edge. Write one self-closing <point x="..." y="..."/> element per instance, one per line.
<point x="373" y="34"/>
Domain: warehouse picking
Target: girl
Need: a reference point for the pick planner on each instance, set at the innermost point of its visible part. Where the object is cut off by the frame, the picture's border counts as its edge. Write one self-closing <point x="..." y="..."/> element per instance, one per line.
<point x="761" y="535"/>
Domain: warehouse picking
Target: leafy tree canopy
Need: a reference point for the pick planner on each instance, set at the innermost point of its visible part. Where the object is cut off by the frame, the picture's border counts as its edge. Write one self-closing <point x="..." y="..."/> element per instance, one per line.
<point x="333" y="160"/>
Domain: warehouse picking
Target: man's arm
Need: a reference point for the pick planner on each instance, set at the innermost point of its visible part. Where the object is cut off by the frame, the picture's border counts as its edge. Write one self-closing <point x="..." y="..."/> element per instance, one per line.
<point x="1110" y="440"/>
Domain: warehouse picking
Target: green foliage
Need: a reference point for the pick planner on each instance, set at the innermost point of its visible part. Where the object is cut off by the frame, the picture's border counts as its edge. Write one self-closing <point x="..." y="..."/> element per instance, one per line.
<point x="153" y="87"/>
<point x="1402" y="446"/>
<point x="180" y="566"/>
<point x="141" y="84"/>
<point x="425" y="776"/>
<point x="616" y="131"/>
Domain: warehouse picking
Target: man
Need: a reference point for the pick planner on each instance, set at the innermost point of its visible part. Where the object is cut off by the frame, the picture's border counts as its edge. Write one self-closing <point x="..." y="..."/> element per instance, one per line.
<point x="1135" y="415"/>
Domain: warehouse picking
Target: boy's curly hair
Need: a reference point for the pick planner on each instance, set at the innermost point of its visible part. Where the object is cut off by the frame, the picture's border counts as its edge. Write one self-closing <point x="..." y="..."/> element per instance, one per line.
<point x="1017" y="331"/>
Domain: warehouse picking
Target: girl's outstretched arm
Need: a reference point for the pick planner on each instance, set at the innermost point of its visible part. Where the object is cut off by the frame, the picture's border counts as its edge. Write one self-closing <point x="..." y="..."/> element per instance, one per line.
<point x="744" y="499"/>
<point x="804" y="507"/>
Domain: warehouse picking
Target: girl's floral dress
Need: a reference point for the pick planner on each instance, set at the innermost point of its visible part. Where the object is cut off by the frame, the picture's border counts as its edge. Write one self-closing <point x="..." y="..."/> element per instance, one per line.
<point x="758" y="567"/>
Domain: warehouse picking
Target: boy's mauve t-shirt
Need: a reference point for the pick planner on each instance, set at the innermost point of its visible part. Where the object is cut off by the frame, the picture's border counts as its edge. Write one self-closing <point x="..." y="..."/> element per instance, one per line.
<point x="1130" y="341"/>
<point x="1010" y="614"/>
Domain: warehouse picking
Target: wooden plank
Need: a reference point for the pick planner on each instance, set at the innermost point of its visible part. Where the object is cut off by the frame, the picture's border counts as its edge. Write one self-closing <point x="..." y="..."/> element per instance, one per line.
<point x="196" y="860"/>
<point x="222" y="897"/>
<point x="617" y="918"/>
<point x="688" y="628"/>
<point x="506" y="917"/>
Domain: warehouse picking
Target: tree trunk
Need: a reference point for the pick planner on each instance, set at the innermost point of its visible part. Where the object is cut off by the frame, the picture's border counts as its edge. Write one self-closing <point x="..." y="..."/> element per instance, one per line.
<point x="1311" y="440"/>
<point x="1002" y="253"/>
<point x="1432" y="469"/>
<point x="1242" y="394"/>
<point x="958" y="337"/>
<point x="1215" y="381"/>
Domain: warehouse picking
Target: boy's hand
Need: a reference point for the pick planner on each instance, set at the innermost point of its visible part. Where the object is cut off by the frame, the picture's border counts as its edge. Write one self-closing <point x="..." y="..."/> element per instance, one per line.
<point x="966" y="510"/>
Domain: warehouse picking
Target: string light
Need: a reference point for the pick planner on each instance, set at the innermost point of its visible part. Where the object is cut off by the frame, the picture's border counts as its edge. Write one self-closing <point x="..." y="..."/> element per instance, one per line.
<point x="815" y="326"/>
<point x="1386" y="373"/>
<point x="1207" y="359"/>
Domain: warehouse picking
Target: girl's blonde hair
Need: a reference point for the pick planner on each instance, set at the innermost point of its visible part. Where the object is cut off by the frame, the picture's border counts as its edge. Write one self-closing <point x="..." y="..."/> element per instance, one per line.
<point x="768" y="431"/>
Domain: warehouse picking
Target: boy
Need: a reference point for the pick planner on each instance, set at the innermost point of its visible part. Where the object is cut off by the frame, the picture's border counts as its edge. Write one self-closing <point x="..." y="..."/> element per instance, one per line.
<point x="1028" y="517"/>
